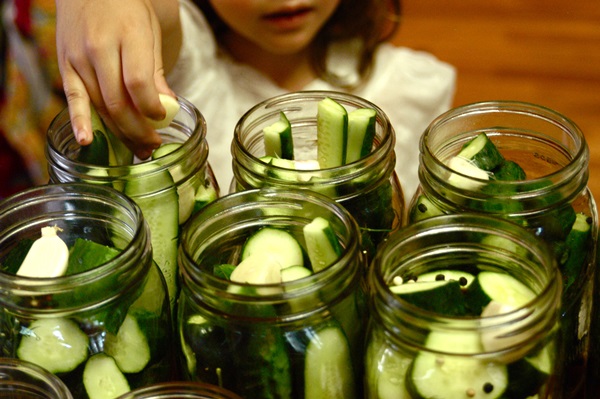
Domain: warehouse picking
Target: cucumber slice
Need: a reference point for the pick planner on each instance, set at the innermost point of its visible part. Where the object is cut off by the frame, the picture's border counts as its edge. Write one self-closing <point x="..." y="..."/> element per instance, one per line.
<point x="205" y="194"/>
<point x="444" y="376"/>
<point x="95" y="153"/>
<point x="56" y="344"/>
<point x="164" y="149"/>
<point x="482" y="153"/>
<point x="260" y="360"/>
<point x="424" y="209"/>
<point x="209" y="352"/>
<point x="509" y="171"/>
<point x="464" y="167"/>
<point x="129" y="348"/>
<point x="505" y="289"/>
<point x="390" y="374"/>
<point x="186" y="190"/>
<point x="361" y="132"/>
<point x="332" y="133"/>
<point x="294" y="273"/>
<point x="328" y="369"/>
<point x="322" y="244"/>
<point x="577" y="244"/>
<point x="278" y="139"/>
<point x="161" y="211"/>
<point x="529" y="374"/>
<point x="102" y="378"/>
<point x="275" y="243"/>
<point x="105" y="149"/>
<point x="442" y="297"/>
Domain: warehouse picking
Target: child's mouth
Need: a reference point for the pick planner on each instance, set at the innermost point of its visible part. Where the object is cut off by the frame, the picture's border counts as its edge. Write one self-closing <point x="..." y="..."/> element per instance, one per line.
<point x="288" y="19"/>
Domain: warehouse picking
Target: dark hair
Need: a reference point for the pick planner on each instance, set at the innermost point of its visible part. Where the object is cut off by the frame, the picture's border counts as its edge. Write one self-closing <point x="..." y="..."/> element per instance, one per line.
<point x="371" y="21"/>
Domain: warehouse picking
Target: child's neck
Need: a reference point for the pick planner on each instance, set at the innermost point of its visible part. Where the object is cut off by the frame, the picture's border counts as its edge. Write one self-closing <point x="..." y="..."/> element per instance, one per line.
<point x="291" y="72"/>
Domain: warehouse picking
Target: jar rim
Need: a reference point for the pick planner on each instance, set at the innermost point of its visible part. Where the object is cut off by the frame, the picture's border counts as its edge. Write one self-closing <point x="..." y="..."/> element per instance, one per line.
<point x="217" y="219"/>
<point x="124" y="263"/>
<point x="334" y="176"/>
<point x="100" y="173"/>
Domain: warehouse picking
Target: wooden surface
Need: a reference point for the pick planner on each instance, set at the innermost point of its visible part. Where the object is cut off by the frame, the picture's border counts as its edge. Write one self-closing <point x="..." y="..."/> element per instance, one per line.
<point x="541" y="51"/>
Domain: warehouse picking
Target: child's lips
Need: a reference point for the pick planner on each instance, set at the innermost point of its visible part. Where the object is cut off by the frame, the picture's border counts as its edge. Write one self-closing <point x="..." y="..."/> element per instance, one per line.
<point x="289" y="18"/>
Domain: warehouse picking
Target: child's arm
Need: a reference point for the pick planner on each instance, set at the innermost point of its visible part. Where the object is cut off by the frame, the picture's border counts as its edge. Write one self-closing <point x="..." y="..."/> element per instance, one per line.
<point x="110" y="53"/>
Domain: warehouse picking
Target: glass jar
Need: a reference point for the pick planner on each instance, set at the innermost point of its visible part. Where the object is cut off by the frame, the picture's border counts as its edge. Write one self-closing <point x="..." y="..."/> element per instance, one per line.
<point x="107" y="316"/>
<point x="368" y="188"/>
<point x="552" y="201"/>
<point x="167" y="189"/>
<point x="463" y="345"/>
<point x="25" y="380"/>
<point x="179" y="390"/>
<point x="292" y="339"/>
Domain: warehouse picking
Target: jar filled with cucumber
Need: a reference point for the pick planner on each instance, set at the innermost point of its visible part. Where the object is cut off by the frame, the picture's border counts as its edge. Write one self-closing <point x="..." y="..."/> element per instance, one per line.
<point x="81" y="296"/>
<point x="333" y="143"/>
<point x="272" y="300"/>
<point x="527" y="164"/>
<point x="25" y="380"/>
<point x="175" y="182"/>
<point x="463" y="306"/>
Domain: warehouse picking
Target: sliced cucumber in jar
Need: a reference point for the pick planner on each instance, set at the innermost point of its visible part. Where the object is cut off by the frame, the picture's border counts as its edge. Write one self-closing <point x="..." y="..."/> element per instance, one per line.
<point x="103" y="379"/>
<point x="275" y="243"/>
<point x="278" y="139"/>
<point x="322" y="244"/>
<point x="56" y="344"/>
<point x="361" y="132"/>
<point x="435" y="373"/>
<point x="482" y="153"/>
<point x="332" y="133"/>
<point x="441" y="297"/>
<point x="129" y="347"/>
<point x="328" y="370"/>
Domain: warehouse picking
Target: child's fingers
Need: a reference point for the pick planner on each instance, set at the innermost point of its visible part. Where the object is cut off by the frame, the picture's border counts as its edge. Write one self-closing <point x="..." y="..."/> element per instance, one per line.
<point x="78" y="103"/>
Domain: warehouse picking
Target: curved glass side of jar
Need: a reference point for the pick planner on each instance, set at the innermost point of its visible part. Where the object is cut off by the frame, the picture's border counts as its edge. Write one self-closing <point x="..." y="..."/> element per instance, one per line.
<point x="169" y="189"/>
<point x="179" y="390"/>
<point x="553" y="201"/>
<point x="414" y="353"/>
<point x="110" y="306"/>
<point x="276" y="340"/>
<point x="368" y="188"/>
<point x="25" y="380"/>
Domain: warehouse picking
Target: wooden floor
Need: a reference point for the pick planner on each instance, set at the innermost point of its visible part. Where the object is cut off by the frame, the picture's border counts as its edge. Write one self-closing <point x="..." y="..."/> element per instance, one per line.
<point x="541" y="51"/>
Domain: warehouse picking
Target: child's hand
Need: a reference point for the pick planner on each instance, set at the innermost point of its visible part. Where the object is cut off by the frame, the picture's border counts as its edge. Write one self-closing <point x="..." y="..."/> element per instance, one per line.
<point x="109" y="53"/>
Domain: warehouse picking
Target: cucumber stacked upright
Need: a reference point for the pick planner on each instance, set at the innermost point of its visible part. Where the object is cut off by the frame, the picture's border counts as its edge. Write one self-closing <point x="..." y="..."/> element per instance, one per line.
<point x="343" y="138"/>
<point x="166" y="197"/>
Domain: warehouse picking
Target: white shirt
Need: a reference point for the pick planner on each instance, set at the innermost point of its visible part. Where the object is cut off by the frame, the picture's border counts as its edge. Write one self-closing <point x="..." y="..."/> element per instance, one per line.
<point x="411" y="87"/>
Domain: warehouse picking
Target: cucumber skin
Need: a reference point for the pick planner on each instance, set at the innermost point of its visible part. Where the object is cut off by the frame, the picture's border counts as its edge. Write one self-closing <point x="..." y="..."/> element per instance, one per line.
<point x="488" y="157"/>
<point x="261" y="362"/>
